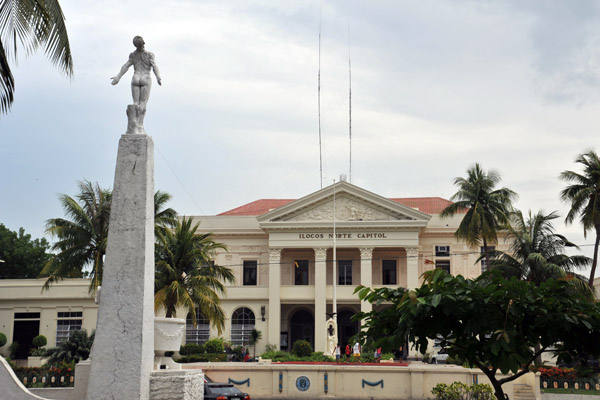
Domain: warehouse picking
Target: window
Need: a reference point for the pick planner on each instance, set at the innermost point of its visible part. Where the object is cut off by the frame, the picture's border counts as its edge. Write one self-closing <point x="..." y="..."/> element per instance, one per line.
<point x="66" y="323"/>
<point x="345" y="272"/>
<point x="491" y="250"/>
<point x="242" y="323"/>
<point x="443" y="264"/>
<point x="196" y="334"/>
<point x="388" y="269"/>
<point x="442" y="251"/>
<point x="301" y="272"/>
<point x="250" y="273"/>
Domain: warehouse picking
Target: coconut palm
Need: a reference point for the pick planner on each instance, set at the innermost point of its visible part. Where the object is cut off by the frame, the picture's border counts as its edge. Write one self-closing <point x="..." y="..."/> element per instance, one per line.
<point x="583" y="194"/>
<point x="33" y="24"/>
<point x="186" y="276"/>
<point x="537" y="252"/>
<point x="164" y="218"/>
<point x="486" y="209"/>
<point x="82" y="236"/>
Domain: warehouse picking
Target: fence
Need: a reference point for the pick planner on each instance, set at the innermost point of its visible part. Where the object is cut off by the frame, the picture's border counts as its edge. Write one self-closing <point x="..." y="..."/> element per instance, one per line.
<point x="569" y="383"/>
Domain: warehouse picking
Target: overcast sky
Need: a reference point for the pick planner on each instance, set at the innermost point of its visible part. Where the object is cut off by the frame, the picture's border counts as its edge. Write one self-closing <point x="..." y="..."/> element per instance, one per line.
<point x="436" y="87"/>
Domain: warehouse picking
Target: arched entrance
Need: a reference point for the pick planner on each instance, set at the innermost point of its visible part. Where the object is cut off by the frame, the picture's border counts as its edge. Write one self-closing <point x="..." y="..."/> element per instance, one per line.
<point x="302" y="327"/>
<point x="346" y="328"/>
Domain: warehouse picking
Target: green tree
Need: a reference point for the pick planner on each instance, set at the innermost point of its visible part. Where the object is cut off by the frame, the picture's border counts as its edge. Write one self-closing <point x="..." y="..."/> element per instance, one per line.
<point x="486" y="209"/>
<point x="33" y="24"/>
<point x="583" y="194"/>
<point x="492" y="323"/>
<point x="82" y="236"/>
<point x="74" y="349"/>
<point x="164" y="218"/>
<point x="186" y="276"/>
<point x="537" y="252"/>
<point x="23" y="258"/>
<point x="255" y="336"/>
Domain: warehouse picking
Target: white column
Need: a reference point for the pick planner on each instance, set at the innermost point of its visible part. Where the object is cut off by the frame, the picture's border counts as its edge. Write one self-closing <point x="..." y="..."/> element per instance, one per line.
<point x="274" y="315"/>
<point x="124" y="345"/>
<point x="412" y="267"/>
<point x="320" y="299"/>
<point x="366" y="274"/>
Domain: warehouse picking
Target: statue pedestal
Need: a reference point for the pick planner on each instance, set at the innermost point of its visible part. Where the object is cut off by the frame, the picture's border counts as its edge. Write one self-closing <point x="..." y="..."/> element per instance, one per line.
<point x="122" y="358"/>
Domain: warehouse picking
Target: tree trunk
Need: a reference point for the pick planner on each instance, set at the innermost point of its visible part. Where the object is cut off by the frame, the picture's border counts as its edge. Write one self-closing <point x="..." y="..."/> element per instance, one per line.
<point x="595" y="259"/>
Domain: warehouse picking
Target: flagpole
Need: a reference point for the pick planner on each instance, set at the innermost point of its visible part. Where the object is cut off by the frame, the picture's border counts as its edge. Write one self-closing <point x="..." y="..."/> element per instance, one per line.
<point x="334" y="311"/>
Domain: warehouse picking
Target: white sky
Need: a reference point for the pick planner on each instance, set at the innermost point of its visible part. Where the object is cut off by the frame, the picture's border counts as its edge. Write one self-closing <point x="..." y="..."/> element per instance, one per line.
<point x="436" y="87"/>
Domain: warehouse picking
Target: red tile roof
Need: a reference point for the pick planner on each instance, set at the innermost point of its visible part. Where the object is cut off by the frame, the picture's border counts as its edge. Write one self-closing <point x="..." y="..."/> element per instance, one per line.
<point x="428" y="205"/>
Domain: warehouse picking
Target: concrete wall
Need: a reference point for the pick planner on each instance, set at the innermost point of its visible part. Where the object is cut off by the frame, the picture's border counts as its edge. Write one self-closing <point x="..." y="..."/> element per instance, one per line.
<point x="350" y="382"/>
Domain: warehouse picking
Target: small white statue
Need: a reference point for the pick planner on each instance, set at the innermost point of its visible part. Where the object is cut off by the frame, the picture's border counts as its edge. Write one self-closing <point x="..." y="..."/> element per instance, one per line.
<point x="141" y="83"/>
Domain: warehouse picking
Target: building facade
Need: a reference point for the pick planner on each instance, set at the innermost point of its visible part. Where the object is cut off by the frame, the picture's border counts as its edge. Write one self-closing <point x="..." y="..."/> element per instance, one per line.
<point x="282" y="255"/>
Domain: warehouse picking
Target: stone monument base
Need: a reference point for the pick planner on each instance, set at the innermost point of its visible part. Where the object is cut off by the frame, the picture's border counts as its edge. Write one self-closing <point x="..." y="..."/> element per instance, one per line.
<point x="177" y="384"/>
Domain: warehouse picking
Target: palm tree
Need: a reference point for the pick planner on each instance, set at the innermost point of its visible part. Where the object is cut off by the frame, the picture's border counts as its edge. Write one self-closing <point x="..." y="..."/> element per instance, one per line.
<point x="584" y="196"/>
<point x="186" y="276"/>
<point x="34" y="24"/>
<point x="255" y="336"/>
<point x="76" y="348"/>
<point x="164" y="218"/>
<point x="82" y="236"/>
<point x="537" y="252"/>
<point x="487" y="210"/>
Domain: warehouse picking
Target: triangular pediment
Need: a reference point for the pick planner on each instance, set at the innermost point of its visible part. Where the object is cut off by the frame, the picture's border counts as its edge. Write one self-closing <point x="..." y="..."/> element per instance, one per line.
<point x="352" y="205"/>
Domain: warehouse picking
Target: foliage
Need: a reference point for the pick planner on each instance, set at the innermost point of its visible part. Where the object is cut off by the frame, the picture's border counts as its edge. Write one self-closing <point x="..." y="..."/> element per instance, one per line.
<point x="270" y="347"/>
<point x="284" y="356"/>
<point x="555" y="372"/>
<point x="192" y="348"/>
<point x="3" y="339"/>
<point x="214" y="345"/>
<point x="255" y="336"/>
<point x="206" y="357"/>
<point x="13" y="349"/>
<point x="39" y="341"/>
<point x="461" y="391"/>
<point x="537" y="253"/>
<point x="34" y="24"/>
<point x="59" y="375"/>
<point x="486" y="209"/>
<point x="489" y="322"/>
<point x="74" y="349"/>
<point x="186" y="276"/>
<point x="82" y="236"/>
<point x="583" y="194"/>
<point x="23" y="257"/>
<point x="302" y="348"/>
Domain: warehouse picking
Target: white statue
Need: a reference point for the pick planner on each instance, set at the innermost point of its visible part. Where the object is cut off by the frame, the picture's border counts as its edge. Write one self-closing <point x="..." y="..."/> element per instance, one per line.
<point x="141" y="83"/>
<point x="331" y="335"/>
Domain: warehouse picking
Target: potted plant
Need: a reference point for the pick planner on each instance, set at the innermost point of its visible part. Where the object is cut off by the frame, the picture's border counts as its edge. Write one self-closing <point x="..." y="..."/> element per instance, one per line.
<point x="36" y="352"/>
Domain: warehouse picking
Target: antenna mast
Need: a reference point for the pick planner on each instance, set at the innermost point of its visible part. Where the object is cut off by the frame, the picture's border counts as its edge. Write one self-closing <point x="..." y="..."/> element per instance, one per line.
<point x="319" y="103"/>
<point x="349" y="102"/>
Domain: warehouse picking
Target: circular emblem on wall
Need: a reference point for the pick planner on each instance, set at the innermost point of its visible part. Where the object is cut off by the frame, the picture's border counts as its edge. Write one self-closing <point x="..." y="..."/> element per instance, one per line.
<point x="302" y="383"/>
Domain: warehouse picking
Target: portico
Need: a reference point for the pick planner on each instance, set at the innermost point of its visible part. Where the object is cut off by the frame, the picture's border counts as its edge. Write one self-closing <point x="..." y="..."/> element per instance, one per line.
<point x="376" y="244"/>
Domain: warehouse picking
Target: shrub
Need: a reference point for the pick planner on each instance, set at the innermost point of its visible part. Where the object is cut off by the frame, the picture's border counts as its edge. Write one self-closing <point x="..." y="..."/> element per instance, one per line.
<point x="461" y="391"/>
<point x="2" y="339"/>
<point x="215" y="345"/>
<point x="192" y="348"/>
<point x="13" y="348"/>
<point x="39" y="341"/>
<point x="270" y="347"/>
<point x="302" y="348"/>
<point x="206" y="357"/>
